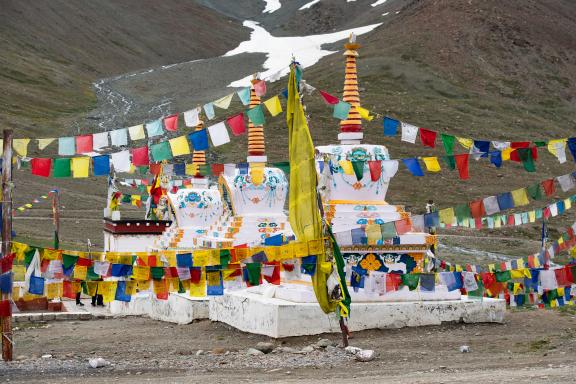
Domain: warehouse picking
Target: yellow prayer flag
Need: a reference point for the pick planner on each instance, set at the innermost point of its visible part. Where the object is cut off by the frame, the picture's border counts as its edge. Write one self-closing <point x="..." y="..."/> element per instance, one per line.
<point x="19" y="272"/>
<point x="143" y="285"/>
<point x="520" y="197"/>
<point x="19" y="249"/>
<point x="21" y="146"/>
<point x="506" y="153"/>
<point x="43" y="143"/>
<point x="108" y="290"/>
<point x="50" y="254"/>
<point x="446" y="216"/>
<point x="53" y="290"/>
<point x="223" y="102"/>
<point x="179" y="146"/>
<point x="287" y="251"/>
<point x="432" y="164"/>
<point x="532" y="216"/>
<point x="373" y="234"/>
<point x="80" y="167"/>
<point x="91" y="287"/>
<point x="131" y="287"/>
<point x="364" y="113"/>
<point x="316" y="246"/>
<point x="273" y="105"/>
<point x="273" y="253"/>
<point x="567" y="203"/>
<point x="516" y="274"/>
<point x="199" y="289"/>
<point x="213" y="257"/>
<point x="137" y="132"/>
<point x="191" y="169"/>
<point x="140" y="272"/>
<point x="301" y="249"/>
<point x="346" y="167"/>
<point x="466" y="143"/>
<point x="80" y="272"/>
<point x="136" y="200"/>
<point x="553" y="145"/>
<point x="201" y="257"/>
<point x="173" y="285"/>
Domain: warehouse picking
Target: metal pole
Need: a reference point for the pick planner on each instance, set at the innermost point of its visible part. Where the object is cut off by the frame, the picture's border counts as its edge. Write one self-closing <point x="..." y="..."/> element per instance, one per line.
<point x="7" y="235"/>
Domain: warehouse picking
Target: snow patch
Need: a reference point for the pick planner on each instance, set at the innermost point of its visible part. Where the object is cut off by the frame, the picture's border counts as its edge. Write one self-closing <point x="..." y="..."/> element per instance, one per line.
<point x="279" y="50"/>
<point x="377" y="3"/>
<point x="271" y="6"/>
<point x="308" y="5"/>
<point x="386" y="14"/>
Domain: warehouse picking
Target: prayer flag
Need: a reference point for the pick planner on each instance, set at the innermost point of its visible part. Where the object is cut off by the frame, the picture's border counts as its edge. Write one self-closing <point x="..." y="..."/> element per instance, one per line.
<point x="119" y="137"/>
<point x="413" y="166"/>
<point x="364" y="113"/>
<point x="390" y="126"/>
<point x="161" y="151"/>
<point x="260" y="88"/>
<point x="101" y="165"/>
<point x="496" y="158"/>
<point x="358" y="167"/>
<point x="179" y="146"/>
<point x="66" y="146"/>
<point x="462" y="164"/>
<point x="535" y="192"/>
<point x="477" y="208"/>
<point x="43" y="143"/>
<point x="137" y="132"/>
<point x="171" y="123"/>
<point x="273" y="105"/>
<point x="219" y="134"/>
<point x="121" y="161"/>
<point x="80" y="166"/>
<point x="566" y="182"/>
<point x="520" y="197"/>
<point x="224" y="102"/>
<point x="427" y="282"/>
<point x="256" y="115"/>
<point x="572" y="146"/>
<point x="428" y="137"/>
<point x="191" y="117"/>
<point x="199" y="140"/>
<point x="209" y="111"/>
<point x="84" y="144"/>
<point x="409" y="132"/>
<point x="328" y="98"/>
<point x="99" y="141"/>
<point x="410" y="280"/>
<point x="448" y="143"/>
<point x="236" y="124"/>
<point x="20" y="146"/>
<point x="244" y="95"/>
<point x="491" y="205"/>
<point x="432" y="164"/>
<point x="375" y="167"/>
<point x="140" y="156"/>
<point x="341" y="110"/>
<point x="215" y="284"/>
<point x="466" y="143"/>
<point x="403" y="226"/>
<point x="154" y="128"/>
<point x="446" y="216"/>
<point x="41" y="167"/>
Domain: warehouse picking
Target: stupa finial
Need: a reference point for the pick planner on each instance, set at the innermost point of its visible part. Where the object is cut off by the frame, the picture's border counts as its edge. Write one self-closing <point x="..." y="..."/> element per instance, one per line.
<point x="351" y="127"/>
<point x="256" y="143"/>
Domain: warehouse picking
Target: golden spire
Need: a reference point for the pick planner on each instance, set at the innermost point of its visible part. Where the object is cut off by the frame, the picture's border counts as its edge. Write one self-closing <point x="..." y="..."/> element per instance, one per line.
<point x="351" y="93"/>
<point x="256" y="144"/>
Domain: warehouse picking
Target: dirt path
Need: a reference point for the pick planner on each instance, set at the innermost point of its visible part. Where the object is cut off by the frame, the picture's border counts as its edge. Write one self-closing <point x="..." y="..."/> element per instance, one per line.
<point x="532" y="346"/>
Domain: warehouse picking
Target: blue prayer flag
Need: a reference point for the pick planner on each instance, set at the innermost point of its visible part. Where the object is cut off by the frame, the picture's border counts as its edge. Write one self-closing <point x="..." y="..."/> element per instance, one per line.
<point x="180" y="169"/>
<point x="505" y="201"/>
<point x="199" y="140"/>
<point x="390" y="126"/>
<point x="121" y="291"/>
<point x="413" y="166"/>
<point x="496" y="158"/>
<point x="6" y="282"/>
<point x="36" y="285"/>
<point x="184" y="260"/>
<point x="101" y="165"/>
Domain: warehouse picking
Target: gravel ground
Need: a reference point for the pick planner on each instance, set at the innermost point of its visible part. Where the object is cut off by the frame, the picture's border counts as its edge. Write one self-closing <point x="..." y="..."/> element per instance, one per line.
<point x="525" y="349"/>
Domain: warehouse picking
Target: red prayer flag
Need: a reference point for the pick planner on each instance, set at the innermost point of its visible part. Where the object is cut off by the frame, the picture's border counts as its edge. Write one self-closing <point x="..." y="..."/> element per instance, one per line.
<point x="155" y="168"/>
<point x="375" y="169"/>
<point x="561" y="277"/>
<point x="171" y="123"/>
<point x="546" y="212"/>
<point x="140" y="156"/>
<point x="5" y="308"/>
<point x="288" y="267"/>
<point x="67" y="290"/>
<point x="549" y="187"/>
<point x="478" y="222"/>
<point x="569" y="275"/>
<point x="217" y="169"/>
<point x="83" y="262"/>
<point x="260" y="88"/>
<point x="428" y="137"/>
<point x="519" y="144"/>
<point x="329" y="99"/>
<point x="403" y="226"/>
<point x="84" y="144"/>
<point x="236" y="124"/>
<point x="462" y="164"/>
<point x="275" y="277"/>
<point x="477" y="209"/>
<point x="41" y="167"/>
<point x="195" y="275"/>
<point x="393" y="281"/>
<point x="487" y="278"/>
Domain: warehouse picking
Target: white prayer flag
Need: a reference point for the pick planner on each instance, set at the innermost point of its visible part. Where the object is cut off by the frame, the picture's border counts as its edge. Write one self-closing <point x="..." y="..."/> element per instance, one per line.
<point x="219" y="134"/>
<point x="121" y="161"/>
<point x="191" y="117"/>
<point x="119" y="137"/>
<point x="409" y="132"/>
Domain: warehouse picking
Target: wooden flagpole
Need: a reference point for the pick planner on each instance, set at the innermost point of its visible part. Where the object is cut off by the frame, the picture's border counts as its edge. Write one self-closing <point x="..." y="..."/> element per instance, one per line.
<point x="7" y="235"/>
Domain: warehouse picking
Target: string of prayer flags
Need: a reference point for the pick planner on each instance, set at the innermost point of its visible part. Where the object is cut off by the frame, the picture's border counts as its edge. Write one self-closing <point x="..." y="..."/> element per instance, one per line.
<point x="341" y="110"/>
<point x="236" y="124"/>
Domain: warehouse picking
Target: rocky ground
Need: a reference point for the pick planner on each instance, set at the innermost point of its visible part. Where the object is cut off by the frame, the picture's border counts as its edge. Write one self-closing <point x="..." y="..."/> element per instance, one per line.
<point x="532" y="346"/>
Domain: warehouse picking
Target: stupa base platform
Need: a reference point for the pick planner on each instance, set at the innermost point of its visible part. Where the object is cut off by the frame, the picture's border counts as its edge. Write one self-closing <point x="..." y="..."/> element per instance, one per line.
<point x="277" y="318"/>
<point x="179" y="308"/>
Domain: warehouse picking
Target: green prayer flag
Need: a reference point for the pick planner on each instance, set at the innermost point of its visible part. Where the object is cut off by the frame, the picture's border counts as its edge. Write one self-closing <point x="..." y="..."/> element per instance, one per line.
<point x="284" y="166"/>
<point x="358" y="167"/>
<point x="29" y="255"/>
<point x="256" y="115"/>
<point x="126" y="198"/>
<point x="62" y="168"/>
<point x="462" y="212"/>
<point x="448" y="143"/>
<point x="225" y="258"/>
<point x="68" y="260"/>
<point x="143" y="169"/>
<point x="341" y="110"/>
<point x="91" y="276"/>
<point x="535" y="192"/>
<point x="205" y="170"/>
<point x="552" y="294"/>
<point x="84" y="287"/>
<point x="181" y="287"/>
<point x="388" y="230"/>
<point x="161" y="151"/>
<point x="450" y="161"/>
<point x="254" y="273"/>
<point x="411" y="280"/>
<point x="540" y="143"/>
<point x="503" y="276"/>
<point x="157" y="273"/>
<point x="479" y="293"/>
<point x="525" y="155"/>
